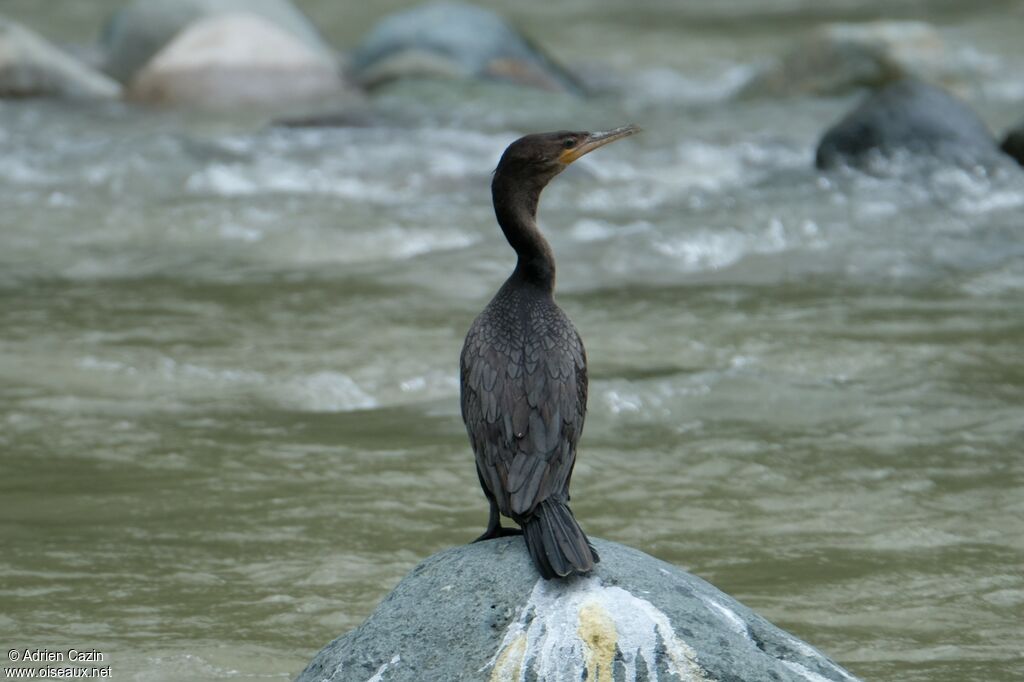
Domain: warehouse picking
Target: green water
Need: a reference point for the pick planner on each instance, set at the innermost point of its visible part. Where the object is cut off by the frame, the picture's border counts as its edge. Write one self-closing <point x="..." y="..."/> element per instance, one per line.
<point x="228" y="355"/>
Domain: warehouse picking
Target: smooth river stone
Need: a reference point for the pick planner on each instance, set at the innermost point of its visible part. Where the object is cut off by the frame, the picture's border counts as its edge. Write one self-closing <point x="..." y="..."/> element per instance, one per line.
<point x="32" y="67"/>
<point x="140" y="29"/>
<point x="1013" y="143"/>
<point x="233" y="60"/>
<point x="910" y="117"/>
<point x="838" y="58"/>
<point x="455" y="40"/>
<point x="480" y="612"/>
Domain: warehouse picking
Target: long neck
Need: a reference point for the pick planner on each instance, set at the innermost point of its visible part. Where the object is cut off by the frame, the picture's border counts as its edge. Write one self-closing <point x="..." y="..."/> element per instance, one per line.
<point x="515" y="205"/>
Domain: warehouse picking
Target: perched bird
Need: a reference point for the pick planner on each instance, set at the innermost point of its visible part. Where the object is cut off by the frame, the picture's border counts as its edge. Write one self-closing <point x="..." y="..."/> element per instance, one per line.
<point x="524" y="369"/>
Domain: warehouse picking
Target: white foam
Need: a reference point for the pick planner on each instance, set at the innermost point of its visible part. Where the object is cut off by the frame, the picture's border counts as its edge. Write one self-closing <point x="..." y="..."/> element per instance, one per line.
<point x="619" y="402"/>
<point x="278" y="175"/>
<point x="327" y="392"/>
<point x="705" y="251"/>
<point x="665" y="85"/>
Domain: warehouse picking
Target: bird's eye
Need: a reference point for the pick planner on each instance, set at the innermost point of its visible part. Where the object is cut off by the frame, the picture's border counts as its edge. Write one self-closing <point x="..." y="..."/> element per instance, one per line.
<point x="569" y="143"/>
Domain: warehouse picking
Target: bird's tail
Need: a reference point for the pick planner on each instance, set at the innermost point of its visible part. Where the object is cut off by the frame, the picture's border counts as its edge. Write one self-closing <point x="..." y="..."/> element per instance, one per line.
<point x="556" y="542"/>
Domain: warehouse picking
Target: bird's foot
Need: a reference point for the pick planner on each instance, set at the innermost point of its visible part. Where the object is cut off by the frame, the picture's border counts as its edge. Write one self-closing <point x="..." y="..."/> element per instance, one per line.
<point x="498" y="532"/>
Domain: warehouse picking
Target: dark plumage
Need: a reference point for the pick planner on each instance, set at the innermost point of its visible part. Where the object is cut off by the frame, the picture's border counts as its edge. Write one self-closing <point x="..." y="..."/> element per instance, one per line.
<point x="524" y="369"/>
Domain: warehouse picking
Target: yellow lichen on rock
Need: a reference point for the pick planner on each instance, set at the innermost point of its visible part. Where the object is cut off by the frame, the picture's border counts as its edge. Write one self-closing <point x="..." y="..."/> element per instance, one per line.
<point x="599" y="635"/>
<point x="509" y="663"/>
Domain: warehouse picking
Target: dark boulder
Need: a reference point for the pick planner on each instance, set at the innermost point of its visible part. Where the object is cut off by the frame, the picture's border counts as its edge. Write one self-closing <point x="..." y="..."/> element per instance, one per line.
<point x="908" y="117"/>
<point x="455" y="40"/>
<point x="480" y="612"/>
<point x="1013" y="143"/>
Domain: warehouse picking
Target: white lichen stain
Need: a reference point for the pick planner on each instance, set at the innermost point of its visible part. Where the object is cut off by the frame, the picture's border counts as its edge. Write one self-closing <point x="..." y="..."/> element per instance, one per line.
<point x="509" y="661"/>
<point x="379" y="675"/>
<point x="734" y="622"/>
<point x="569" y="628"/>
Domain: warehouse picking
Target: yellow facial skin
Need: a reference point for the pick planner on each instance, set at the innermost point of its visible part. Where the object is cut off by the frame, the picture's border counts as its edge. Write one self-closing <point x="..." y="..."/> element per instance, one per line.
<point x="595" y="140"/>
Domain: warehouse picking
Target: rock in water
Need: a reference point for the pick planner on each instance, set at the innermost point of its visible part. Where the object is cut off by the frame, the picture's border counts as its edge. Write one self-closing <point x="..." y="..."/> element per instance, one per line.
<point x="480" y="612"/>
<point x="1013" y="143"/>
<point x="142" y="28"/>
<point x="233" y="60"/>
<point x="455" y="40"/>
<point x="837" y="58"/>
<point x="32" y="67"/>
<point x="912" y="117"/>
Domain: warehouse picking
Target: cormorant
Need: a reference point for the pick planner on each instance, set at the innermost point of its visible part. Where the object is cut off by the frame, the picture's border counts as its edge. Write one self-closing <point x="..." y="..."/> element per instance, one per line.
<point x="524" y="369"/>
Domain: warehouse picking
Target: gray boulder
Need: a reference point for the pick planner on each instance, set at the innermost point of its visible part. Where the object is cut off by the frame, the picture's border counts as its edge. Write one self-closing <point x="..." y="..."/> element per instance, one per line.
<point x="236" y="60"/>
<point x="32" y="67"/>
<point x="480" y="612"/>
<point x="908" y="117"/>
<point x="1013" y="143"/>
<point x="142" y="28"/>
<point x="841" y="57"/>
<point x="455" y="40"/>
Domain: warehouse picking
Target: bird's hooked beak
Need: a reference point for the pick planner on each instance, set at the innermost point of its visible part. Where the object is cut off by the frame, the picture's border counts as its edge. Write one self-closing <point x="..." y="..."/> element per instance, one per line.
<point x="594" y="140"/>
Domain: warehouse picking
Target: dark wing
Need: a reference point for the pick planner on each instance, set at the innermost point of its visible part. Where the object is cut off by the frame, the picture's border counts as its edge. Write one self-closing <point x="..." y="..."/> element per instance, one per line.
<point x="524" y="397"/>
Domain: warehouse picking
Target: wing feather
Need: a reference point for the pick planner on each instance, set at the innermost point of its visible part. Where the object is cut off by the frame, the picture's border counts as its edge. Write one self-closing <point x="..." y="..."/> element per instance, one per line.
<point x="524" y="392"/>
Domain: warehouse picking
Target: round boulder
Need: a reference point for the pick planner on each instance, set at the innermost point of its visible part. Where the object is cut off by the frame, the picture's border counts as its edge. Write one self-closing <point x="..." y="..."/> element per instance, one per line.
<point x="455" y="40"/>
<point x="1013" y="143"/>
<point x="838" y="58"/>
<point x="142" y="28"/>
<point x="480" y="612"/>
<point x="32" y="67"/>
<point x="233" y="60"/>
<point x="908" y="117"/>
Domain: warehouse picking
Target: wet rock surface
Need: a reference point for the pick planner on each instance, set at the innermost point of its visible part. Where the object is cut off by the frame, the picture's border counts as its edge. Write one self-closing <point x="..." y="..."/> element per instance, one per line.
<point x="910" y="117"/>
<point x="480" y="612"/>
<point x="232" y="60"/>
<point x="1013" y="143"/>
<point x="455" y="40"/>
<point x="841" y="57"/>
<point x="138" y="31"/>
<point x="32" y="67"/>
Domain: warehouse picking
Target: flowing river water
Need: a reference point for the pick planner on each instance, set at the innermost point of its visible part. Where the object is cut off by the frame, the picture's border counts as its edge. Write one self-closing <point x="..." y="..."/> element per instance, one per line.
<point x="228" y="352"/>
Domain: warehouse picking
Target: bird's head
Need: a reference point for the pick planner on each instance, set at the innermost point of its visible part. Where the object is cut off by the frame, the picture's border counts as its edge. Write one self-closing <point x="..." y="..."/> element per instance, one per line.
<point x="542" y="156"/>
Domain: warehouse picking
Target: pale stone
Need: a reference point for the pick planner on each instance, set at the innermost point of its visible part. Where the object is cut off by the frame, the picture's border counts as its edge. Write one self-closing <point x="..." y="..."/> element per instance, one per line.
<point x="32" y="67"/>
<point x="837" y="58"/>
<point x="140" y="29"/>
<point x="232" y="60"/>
